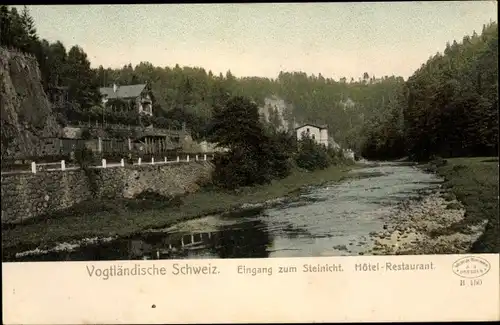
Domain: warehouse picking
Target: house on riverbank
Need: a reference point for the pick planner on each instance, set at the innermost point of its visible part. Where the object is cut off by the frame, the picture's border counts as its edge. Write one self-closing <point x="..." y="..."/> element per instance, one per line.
<point x="315" y="132"/>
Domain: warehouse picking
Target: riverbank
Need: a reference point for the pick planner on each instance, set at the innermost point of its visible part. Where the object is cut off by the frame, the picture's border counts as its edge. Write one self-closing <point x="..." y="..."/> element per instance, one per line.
<point x="120" y="218"/>
<point x="460" y="217"/>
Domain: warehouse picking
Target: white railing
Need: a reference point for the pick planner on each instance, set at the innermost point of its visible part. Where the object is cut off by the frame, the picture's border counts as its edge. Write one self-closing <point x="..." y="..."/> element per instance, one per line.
<point x="177" y="160"/>
<point x="61" y="166"/>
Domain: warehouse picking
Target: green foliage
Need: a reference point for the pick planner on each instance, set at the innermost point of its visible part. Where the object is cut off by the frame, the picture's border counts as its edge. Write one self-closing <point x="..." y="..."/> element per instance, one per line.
<point x="474" y="182"/>
<point x="188" y="95"/>
<point x="236" y="125"/>
<point x="378" y="117"/>
<point x="254" y="157"/>
<point x="454" y="90"/>
<point x="383" y="135"/>
<point x="337" y="157"/>
<point x="18" y="30"/>
<point x="280" y="148"/>
<point x="457" y="90"/>
<point x="311" y="155"/>
<point x="58" y="67"/>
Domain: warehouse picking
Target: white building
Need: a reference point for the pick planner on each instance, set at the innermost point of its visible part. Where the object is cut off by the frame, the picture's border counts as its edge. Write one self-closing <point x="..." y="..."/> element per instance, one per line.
<point x="315" y="132"/>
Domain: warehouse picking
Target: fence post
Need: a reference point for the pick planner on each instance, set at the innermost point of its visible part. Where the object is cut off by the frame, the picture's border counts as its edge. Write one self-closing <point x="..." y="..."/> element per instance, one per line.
<point x="99" y="144"/>
<point x="139" y="161"/>
<point x="178" y="159"/>
<point x="152" y="160"/>
<point x="205" y="157"/>
<point x="165" y="159"/>
<point x="104" y="163"/>
<point x="33" y="167"/>
<point x="122" y="162"/>
<point x="63" y="165"/>
<point x="187" y="158"/>
<point x="196" y="158"/>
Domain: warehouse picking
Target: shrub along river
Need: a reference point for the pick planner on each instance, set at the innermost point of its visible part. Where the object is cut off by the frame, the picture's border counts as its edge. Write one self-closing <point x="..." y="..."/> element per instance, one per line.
<point x="339" y="219"/>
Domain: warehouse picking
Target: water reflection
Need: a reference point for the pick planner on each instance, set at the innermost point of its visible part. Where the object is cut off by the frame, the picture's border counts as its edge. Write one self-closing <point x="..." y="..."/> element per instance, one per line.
<point x="248" y="239"/>
<point x="321" y="221"/>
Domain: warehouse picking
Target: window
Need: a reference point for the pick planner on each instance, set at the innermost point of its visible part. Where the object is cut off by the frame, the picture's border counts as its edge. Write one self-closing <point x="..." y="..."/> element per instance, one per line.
<point x="314" y="136"/>
<point x="307" y="129"/>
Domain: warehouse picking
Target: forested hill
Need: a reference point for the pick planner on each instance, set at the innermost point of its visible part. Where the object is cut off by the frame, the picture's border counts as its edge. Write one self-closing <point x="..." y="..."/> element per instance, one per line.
<point x="342" y="105"/>
<point x="188" y="94"/>
<point x="453" y="100"/>
<point x="449" y="107"/>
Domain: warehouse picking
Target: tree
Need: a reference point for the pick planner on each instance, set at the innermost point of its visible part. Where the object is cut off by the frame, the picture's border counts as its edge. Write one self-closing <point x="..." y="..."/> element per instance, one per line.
<point x="57" y="62"/>
<point x="236" y="125"/>
<point x="253" y="157"/>
<point x="29" y="25"/>
<point x="80" y="78"/>
<point x="311" y="155"/>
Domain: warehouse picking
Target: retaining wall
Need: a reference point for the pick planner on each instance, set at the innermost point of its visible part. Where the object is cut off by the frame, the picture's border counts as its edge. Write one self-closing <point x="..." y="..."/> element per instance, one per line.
<point x="25" y="196"/>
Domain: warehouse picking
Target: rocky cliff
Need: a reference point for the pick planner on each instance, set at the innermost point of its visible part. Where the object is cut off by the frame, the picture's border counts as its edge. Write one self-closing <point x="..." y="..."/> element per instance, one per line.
<point x="26" y="113"/>
<point x="282" y="110"/>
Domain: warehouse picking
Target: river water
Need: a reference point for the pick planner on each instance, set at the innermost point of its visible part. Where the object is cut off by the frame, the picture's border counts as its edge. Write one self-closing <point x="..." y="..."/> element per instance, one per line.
<point x="331" y="220"/>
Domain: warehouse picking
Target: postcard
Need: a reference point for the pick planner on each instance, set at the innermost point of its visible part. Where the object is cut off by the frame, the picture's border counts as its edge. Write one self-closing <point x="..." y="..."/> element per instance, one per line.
<point x="249" y="163"/>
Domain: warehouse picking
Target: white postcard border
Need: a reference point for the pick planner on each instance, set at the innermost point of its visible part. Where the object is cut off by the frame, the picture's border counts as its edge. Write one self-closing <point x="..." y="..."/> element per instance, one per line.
<point x="65" y="293"/>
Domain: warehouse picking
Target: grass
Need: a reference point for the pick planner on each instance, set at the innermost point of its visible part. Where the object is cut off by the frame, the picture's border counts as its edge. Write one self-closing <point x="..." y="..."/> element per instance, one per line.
<point x="474" y="182"/>
<point x="122" y="218"/>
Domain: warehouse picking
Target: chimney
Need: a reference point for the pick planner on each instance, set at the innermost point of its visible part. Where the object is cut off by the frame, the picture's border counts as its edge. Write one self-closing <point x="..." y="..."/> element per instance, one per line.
<point x="115" y="88"/>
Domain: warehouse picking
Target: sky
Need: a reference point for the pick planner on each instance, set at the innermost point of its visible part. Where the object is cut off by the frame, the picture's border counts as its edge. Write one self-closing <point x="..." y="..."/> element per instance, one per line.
<point x="334" y="39"/>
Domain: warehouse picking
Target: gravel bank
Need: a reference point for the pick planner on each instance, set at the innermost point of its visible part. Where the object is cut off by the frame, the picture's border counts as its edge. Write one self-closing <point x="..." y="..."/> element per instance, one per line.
<point x="409" y="230"/>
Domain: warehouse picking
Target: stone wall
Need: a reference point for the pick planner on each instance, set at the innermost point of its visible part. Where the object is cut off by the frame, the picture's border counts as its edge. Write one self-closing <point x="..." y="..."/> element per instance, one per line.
<point x="25" y="196"/>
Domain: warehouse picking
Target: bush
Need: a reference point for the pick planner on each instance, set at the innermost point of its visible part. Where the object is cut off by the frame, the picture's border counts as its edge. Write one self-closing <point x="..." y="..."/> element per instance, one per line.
<point x="278" y="149"/>
<point x="312" y="156"/>
<point x="237" y="168"/>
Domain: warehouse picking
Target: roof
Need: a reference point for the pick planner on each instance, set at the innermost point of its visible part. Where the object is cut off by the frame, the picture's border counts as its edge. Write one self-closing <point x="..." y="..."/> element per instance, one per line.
<point x="313" y="125"/>
<point x="131" y="91"/>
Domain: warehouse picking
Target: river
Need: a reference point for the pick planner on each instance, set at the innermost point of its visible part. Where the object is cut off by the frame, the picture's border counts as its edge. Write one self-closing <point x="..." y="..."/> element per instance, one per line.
<point x="330" y="220"/>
